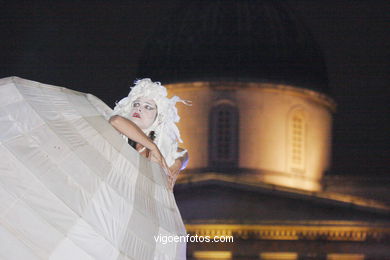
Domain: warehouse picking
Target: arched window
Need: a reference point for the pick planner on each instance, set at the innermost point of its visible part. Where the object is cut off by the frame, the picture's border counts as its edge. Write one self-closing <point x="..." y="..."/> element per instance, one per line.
<point x="296" y="141"/>
<point x="223" y="146"/>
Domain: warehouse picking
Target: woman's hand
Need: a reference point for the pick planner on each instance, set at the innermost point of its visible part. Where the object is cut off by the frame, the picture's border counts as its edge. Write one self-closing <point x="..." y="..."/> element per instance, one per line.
<point x="179" y="165"/>
<point x="174" y="171"/>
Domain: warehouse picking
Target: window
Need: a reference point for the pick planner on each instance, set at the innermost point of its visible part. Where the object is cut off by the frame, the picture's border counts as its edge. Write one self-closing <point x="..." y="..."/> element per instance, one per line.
<point x="223" y="147"/>
<point x="278" y="256"/>
<point x="296" y="141"/>
<point x="212" y="255"/>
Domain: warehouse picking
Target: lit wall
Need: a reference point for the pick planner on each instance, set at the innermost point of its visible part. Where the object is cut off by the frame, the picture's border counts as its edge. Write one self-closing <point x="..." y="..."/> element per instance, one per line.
<point x="284" y="132"/>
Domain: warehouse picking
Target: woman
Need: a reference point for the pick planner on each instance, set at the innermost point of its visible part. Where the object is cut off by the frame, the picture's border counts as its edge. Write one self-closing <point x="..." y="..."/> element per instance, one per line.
<point x="148" y="118"/>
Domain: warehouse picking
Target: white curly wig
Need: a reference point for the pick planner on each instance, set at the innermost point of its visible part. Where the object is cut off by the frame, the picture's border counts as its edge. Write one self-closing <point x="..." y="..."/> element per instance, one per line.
<point x="167" y="134"/>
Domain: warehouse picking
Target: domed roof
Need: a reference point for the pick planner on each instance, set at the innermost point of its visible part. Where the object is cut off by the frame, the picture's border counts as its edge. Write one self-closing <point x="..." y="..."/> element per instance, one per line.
<point x="239" y="40"/>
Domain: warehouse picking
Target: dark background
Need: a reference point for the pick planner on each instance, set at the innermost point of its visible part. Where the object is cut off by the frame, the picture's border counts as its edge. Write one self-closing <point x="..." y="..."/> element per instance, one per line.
<point x="94" y="46"/>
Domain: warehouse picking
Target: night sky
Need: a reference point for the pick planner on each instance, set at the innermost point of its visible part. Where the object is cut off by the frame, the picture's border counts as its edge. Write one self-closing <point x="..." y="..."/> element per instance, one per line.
<point x="94" y="46"/>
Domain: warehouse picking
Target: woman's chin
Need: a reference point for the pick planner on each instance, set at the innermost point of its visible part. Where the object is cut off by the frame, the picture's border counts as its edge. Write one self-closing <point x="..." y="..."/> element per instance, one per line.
<point x="140" y="123"/>
<point x="136" y="121"/>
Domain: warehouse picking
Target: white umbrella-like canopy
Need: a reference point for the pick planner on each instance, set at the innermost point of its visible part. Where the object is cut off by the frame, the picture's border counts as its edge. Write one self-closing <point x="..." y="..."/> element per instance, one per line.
<point x="72" y="188"/>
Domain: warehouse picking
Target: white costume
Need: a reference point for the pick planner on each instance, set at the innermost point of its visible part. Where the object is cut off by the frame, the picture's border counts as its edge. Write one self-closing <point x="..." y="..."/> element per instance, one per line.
<point x="72" y="188"/>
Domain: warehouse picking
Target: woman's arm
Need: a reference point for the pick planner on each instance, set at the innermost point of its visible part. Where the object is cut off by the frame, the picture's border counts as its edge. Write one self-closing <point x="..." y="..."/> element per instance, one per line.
<point x="133" y="132"/>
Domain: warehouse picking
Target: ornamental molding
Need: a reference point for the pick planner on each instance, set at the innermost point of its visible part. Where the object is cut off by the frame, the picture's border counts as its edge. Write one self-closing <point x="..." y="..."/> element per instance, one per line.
<point x="312" y="95"/>
<point x="338" y="231"/>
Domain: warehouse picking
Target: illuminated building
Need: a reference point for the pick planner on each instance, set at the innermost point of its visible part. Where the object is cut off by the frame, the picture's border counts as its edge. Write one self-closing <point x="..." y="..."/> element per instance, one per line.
<point x="258" y="135"/>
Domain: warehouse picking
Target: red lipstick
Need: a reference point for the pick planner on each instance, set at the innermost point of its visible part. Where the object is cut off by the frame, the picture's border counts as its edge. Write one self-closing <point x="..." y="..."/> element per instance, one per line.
<point x="136" y="115"/>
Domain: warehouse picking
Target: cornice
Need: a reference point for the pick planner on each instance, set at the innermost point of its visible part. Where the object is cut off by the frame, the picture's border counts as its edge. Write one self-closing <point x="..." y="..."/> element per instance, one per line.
<point x="312" y="95"/>
<point x="300" y="230"/>
<point x="248" y="182"/>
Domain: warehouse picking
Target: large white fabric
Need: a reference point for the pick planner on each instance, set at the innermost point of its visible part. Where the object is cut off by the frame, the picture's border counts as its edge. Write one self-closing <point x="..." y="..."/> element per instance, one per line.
<point x="71" y="187"/>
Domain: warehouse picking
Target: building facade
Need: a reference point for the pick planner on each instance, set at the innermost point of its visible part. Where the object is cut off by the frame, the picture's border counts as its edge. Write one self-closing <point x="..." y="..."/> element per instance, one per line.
<point x="259" y="136"/>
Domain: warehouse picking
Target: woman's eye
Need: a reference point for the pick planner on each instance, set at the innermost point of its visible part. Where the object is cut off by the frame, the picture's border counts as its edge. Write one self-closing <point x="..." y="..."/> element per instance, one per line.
<point x="148" y="107"/>
<point x="135" y="104"/>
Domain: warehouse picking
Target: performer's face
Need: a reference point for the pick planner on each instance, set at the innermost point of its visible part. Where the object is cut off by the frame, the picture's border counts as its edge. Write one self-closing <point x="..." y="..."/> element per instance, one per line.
<point x="143" y="112"/>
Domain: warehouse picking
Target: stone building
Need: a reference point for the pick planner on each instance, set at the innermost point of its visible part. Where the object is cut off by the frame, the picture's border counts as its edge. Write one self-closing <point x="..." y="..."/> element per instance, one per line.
<point x="259" y="136"/>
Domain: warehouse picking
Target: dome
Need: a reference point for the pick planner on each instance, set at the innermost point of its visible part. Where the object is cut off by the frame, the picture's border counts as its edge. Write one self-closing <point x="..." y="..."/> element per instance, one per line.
<point x="236" y="40"/>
